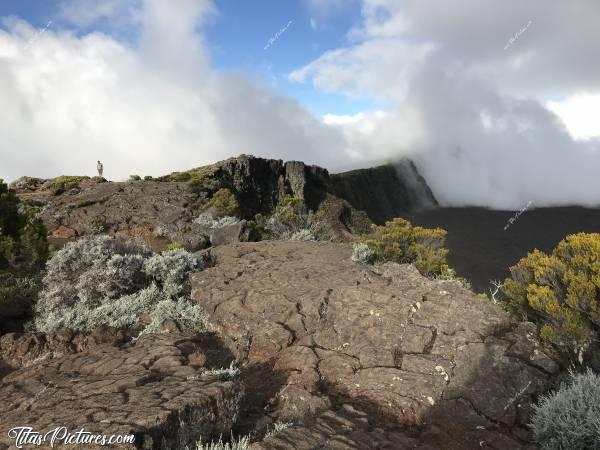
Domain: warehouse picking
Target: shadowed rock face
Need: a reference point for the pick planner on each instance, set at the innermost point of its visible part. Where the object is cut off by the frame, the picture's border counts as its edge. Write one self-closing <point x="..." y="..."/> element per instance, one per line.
<point x="369" y="357"/>
<point x="154" y="389"/>
<point x="384" y="192"/>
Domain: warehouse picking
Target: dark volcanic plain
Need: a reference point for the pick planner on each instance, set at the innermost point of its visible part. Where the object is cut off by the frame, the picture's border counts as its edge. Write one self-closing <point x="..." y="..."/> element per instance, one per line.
<point x="480" y="248"/>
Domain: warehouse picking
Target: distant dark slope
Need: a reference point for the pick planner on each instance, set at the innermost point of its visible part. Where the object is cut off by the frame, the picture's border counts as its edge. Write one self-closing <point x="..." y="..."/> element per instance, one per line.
<point x="384" y="192"/>
<point x="481" y="250"/>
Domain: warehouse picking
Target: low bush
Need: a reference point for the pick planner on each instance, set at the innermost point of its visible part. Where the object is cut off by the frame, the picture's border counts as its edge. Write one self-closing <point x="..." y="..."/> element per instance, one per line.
<point x="135" y="177"/>
<point x="65" y="183"/>
<point x="172" y="246"/>
<point x="23" y="253"/>
<point x="290" y="220"/>
<point x="23" y="244"/>
<point x="560" y="292"/>
<point x="100" y="281"/>
<point x="18" y="293"/>
<point x="201" y="183"/>
<point x="570" y="417"/>
<point x="206" y="219"/>
<point x="223" y="203"/>
<point x="449" y="274"/>
<point x="399" y="241"/>
<point x="148" y="178"/>
<point x="362" y="254"/>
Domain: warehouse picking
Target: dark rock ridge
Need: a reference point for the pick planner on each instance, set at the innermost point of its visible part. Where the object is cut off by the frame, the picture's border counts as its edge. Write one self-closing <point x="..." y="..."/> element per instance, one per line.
<point x="369" y="357"/>
<point x="162" y="210"/>
<point x="384" y="192"/>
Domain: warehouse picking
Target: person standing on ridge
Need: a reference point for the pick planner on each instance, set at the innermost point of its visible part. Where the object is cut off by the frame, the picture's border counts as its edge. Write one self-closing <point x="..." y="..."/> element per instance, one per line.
<point x="100" y="168"/>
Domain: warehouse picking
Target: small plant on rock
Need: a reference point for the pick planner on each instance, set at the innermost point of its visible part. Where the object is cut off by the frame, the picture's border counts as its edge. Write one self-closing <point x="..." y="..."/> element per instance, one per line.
<point x="449" y="274"/>
<point x="278" y="427"/>
<point x="362" y="254"/>
<point x="569" y="418"/>
<point x="243" y="443"/>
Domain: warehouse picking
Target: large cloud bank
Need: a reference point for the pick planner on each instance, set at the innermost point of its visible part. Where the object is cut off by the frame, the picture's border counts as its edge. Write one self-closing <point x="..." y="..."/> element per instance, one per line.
<point x="466" y="86"/>
<point x="469" y="108"/>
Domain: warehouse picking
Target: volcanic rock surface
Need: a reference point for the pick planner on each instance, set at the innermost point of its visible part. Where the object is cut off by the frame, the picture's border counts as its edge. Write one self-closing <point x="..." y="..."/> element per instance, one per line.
<point x="369" y="357"/>
<point x="155" y="389"/>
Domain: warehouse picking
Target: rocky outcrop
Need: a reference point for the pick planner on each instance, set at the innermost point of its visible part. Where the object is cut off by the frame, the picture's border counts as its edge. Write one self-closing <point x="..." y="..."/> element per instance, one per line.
<point x="384" y="192"/>
<point x="163" y="210"/>
<point x="369" y="357"/>
<point x="157" y="389"/>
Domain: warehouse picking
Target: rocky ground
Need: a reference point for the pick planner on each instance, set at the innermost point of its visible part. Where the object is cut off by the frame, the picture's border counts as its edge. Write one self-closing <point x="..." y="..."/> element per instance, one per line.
<point x="355" y="357"/>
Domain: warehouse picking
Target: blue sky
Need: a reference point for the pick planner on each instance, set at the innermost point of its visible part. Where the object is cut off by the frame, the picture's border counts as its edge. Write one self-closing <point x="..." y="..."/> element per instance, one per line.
<point x="236" y="37"/>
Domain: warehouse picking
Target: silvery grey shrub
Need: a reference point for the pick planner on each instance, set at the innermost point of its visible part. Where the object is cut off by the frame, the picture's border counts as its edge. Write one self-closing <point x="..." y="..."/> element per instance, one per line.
<point x="206" y="219"/>
<point x="187" y="314"/>
<point x="170" y="269"/>
<point x="100" y="281"/>
<point x="294" y="223"/>
<point x="570" y="417"/>
<point x="362" y="254"/>
<point x="303" y="235"/>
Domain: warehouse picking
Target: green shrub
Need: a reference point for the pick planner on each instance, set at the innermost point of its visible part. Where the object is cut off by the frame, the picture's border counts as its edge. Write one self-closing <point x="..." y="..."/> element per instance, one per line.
<point x="172" y="246"/>
<point x="400" y="242"/>
<point x="560" y="292"/>
<point x="223" y="203"/>
<point x="65" y="183"/>
<point x="23" y="244"/>
<point x="18" y="294"/>
<point x="135" y="177"/>
<point x="148" y="178"/>
<point x="179" y="176"/>
<point x="200" y="183"/>
<point x="570" y="417"/>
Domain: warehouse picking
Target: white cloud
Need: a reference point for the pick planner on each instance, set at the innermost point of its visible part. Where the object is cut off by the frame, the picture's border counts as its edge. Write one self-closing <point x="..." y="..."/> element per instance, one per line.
<point x="68" y="101"/>
<point x="580" y="113"/>
<point x="469" y="112"/>
<point x="84" y="13"/>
